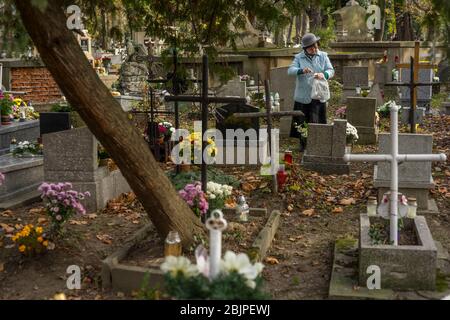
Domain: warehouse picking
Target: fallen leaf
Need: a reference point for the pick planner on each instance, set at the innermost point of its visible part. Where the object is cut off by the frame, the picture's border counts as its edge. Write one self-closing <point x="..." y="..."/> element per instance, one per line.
<point x="7" y="213"/>
<point x="290" y="207"/>
<point x="7" y="228"/>
<point x="37" y="210"/>
<point x="331" y="199"/>
<point x="91" y="216"/>
<point x="346" y="202"/>
<point x="76" y="222"/>
<point x="263" y="185"/>
<point x="42" y="220"/>
<point x="442" y="189"/>
<point x="447" y="173"/>
<point x="308" y="212"/>
<point x="105" y="238"/>
<point x="247" y="187"/>
<point x="292" y="239"/>
<point x="447" y="195"/>
<point x="338" y="210"/>
<point x="271" y="260"/>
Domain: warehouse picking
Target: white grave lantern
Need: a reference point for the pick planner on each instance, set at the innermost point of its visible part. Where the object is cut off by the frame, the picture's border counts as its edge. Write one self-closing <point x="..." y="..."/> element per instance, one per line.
<point x="215" y="224"/>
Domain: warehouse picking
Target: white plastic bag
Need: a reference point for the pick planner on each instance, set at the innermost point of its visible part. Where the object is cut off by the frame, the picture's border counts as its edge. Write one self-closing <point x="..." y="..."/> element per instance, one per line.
<point x="320" y="90"/>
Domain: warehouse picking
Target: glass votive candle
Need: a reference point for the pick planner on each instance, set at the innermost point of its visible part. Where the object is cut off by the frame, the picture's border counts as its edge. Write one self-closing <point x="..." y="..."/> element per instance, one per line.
<point x="288" y="159"/>
<point x="372" y="207"/>
<point x="412" y="208"/>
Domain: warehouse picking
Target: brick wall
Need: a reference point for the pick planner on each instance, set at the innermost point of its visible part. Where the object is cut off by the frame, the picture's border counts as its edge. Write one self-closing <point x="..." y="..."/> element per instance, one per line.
<point x="37" y="82"/>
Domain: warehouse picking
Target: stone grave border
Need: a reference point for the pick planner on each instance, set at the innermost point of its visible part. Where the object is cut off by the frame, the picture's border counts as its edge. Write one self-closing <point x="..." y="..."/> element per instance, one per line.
<point x="124" y="278"/>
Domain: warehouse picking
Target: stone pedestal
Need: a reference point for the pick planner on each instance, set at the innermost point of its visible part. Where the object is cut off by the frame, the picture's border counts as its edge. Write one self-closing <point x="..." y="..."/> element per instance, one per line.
<point x="415" y="178"/>
<point x="128" y="102"/>
<point x="71" y="156"/>
<point x="407" y="267"/>
<point x="28" y="130"/>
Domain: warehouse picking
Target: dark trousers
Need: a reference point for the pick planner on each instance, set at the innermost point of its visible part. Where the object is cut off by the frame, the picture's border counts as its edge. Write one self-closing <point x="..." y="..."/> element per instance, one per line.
<point x="315" y="112"/>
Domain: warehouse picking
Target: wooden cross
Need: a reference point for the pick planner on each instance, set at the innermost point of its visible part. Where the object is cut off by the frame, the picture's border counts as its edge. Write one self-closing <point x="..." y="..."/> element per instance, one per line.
<point x="414" y="66"/>
<point x="268" y="115"/>
<point x="205" y="101"/>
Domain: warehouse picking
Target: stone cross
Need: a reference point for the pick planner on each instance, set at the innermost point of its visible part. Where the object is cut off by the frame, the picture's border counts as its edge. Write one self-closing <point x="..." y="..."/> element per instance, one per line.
<point x="395" y="159"/>
<point x="215" y="224"/>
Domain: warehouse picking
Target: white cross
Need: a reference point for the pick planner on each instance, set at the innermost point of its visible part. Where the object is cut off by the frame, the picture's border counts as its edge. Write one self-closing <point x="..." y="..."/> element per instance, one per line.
<point x="395" y="159"/>
<point x="215" y="224"/>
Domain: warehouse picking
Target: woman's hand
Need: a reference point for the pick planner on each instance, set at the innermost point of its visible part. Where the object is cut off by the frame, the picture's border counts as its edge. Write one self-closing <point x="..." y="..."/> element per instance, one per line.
<point x="319" y="76"/>
<point x="307" y="70"/>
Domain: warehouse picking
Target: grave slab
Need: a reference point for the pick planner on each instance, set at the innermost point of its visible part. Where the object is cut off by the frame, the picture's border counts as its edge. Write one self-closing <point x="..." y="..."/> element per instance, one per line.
<point x="403" y="267"/>
<point x="22" y="176"/>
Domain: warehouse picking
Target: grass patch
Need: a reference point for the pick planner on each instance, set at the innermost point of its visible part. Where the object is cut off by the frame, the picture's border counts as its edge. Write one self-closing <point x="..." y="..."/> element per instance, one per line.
<point x="441" y="282"/>
<point x="346" y="243"/>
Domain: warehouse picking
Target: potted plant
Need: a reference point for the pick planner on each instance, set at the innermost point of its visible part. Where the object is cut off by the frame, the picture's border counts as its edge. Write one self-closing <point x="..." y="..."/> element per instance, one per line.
<point x="6" y="107"/>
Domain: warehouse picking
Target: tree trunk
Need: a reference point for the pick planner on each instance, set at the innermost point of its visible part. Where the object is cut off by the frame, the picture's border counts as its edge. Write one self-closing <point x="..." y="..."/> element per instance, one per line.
<point x="103" y="115"/>
<point x="403" y="22"/>
<point x="315" y="19"/>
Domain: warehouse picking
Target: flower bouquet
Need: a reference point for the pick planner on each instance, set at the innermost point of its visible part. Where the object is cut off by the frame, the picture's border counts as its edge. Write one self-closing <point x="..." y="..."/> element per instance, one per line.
<point x="194" y="143"/>
<point x="21" y="106"/>
<point x="217" y="194"/>
<point x="26" y="149"/>
<point x="165" y="130"/>
<point x="351" y="134"/>
<point x="196" y="199"/>
<point x="61" y="202"/>
<point x="238" y="277"/>
<point x="31" y="240"/>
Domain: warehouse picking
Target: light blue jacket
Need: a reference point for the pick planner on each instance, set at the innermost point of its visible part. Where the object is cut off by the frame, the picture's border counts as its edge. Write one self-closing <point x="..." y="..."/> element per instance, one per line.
<point x="320" y="63"/>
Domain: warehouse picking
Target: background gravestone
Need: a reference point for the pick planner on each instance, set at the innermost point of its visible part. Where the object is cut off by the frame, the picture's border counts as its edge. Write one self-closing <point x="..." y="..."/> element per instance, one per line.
<point x="423" y="92"/>
<point x="414" y="178"/>
<point x="285" y="86"/>
<point x="351" y="23"/>
<point x="233" y="88"/>
<point x="352" y="77"/>
<point x="361" y="114"/>
<point x="326" y="148"/>
<point x="225" y="120"/>
<point x="71" y="156"/>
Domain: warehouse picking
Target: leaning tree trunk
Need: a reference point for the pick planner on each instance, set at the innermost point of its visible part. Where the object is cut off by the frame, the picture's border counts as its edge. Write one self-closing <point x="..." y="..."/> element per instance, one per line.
<point x="103" y="115"/>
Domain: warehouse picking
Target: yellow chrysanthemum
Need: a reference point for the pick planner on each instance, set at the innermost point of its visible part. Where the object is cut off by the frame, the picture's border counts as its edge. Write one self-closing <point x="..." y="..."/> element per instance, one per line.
<point x="39" y="230"/>
<point x="22" y="248"/>
<point x="40" y="239"/>
<point x="14" y="238"/>
<point x="45" y="243"/>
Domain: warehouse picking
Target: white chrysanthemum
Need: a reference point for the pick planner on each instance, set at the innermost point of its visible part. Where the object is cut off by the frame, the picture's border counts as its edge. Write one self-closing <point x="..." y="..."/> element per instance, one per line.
<point x="179" y="265"/>
<point x="241" y="264"/>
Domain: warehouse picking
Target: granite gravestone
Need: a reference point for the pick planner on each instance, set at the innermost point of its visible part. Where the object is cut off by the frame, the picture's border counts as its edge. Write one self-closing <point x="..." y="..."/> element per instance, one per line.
<point x="285" y="86"/>
<point x="361" y="114"/>
<point x="233" y="88"/>
<point x="326" y="147"/>
<point x="353" y="76"/>
<point x="424" y="93"/>
<point x="225" y="120"/>
<point x="71" y="156"/>
<point x="414" y="178"/>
